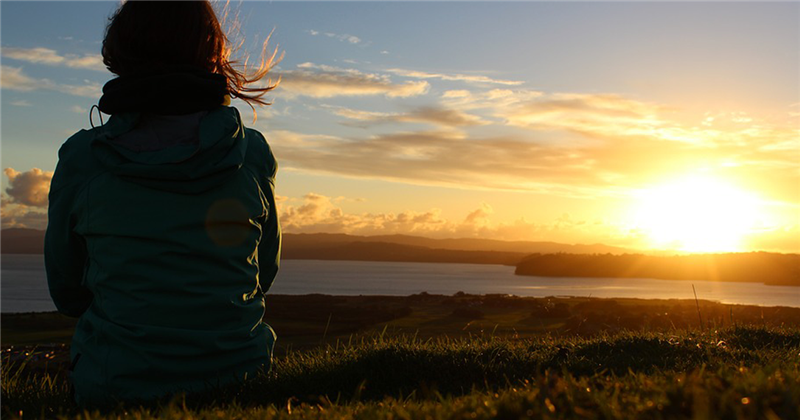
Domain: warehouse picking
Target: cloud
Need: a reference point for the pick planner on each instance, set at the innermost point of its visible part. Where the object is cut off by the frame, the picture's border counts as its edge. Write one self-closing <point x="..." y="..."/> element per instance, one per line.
<point x="28" y="188"/>
<point x="453" y="77"/>
<point x="12" y="78"/>
<point x="574" y="146"/>
<point x="320" y="81"/>
<point x="609" y="124"/>
<point x="446" y="158"/>
<point x="479" y="216"/>
<point x="21" y="216"/>
<point x="591" y="113"/>
<point x="318" y="213"/>
<point x="352" y="39"/>
<point x="50" y="57"/>
<point x="429" y="114"/>
<point x="24" y="202"/>
<point x="565" y="144"/>
<point x="495" y="100"/>
<point x="23" y="103"/>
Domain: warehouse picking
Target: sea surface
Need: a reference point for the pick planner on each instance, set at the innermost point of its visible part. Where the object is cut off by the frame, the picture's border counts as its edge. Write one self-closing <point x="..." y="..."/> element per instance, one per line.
<point x="24" y="285"/>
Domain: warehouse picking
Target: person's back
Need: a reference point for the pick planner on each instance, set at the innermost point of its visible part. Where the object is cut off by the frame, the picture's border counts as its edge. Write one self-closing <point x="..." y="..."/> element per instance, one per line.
<point x="163" y="234"/>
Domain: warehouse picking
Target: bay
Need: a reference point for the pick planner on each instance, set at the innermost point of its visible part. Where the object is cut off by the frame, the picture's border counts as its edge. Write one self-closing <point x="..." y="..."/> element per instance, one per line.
<point x="24" y="284"/>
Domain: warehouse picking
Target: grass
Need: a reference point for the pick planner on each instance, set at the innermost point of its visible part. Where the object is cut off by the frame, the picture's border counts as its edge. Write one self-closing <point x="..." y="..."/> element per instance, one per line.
<point x="748" y="372"/>
<point x="305" y="322"/>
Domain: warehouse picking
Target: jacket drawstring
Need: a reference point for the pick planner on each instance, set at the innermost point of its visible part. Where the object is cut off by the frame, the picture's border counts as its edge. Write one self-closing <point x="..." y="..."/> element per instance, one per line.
<point x="98" y="113"/>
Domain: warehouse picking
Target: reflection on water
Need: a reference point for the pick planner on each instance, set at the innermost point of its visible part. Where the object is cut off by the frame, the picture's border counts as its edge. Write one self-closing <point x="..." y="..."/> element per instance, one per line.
<point x="24" y="286"/>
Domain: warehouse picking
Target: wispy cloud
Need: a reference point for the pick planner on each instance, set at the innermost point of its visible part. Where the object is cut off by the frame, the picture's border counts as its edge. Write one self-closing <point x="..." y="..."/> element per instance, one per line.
<point x="588" y="113"/>
<point x="415" y="74"/>
<point x="22" y="103"/>
<point x="444" y="157"/>
<point x="12" y="78"/>
<point x="429" y="114"/>
<point x="352" y="39"/>
<point x="51" y="57"/>
<point x="321" y="81"/>
<point x="605" y="146"/>
<point x="493" y="100"/>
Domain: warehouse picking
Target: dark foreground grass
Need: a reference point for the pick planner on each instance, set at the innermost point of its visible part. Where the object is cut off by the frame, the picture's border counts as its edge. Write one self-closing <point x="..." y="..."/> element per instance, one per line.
<point x="736" y="373"/>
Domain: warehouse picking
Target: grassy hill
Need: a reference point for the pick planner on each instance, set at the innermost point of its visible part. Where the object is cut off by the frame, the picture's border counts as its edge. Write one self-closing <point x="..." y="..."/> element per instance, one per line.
<point x="738" y="373"/>
<point x="464" y="357"/>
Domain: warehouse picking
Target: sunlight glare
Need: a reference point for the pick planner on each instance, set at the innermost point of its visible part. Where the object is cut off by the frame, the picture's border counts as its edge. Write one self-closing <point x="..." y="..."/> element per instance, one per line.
<point x="697" y="214"/>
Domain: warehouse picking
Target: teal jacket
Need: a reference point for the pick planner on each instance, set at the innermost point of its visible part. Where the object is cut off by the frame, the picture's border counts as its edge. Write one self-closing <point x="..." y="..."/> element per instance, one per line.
<point x="165" y="255"/>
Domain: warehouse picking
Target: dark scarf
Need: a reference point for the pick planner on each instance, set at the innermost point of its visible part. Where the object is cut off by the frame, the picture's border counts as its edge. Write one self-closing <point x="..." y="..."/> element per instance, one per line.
<point x="164" y="92"/>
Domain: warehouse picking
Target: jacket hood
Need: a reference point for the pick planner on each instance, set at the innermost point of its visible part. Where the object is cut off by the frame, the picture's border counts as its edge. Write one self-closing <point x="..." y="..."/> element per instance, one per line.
<point x="188" y="154"/>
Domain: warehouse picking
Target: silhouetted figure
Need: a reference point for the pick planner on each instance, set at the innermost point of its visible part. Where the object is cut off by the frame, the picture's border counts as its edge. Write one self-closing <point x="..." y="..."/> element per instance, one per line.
<point x="163" y="235"/>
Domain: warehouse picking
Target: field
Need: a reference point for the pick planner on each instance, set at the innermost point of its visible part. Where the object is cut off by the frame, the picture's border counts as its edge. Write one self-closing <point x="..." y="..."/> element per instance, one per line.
<point x="462" y="356"/>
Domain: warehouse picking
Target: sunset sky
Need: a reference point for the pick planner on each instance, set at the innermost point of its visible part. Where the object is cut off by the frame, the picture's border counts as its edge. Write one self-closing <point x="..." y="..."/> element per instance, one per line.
<point x="637" y="124"/>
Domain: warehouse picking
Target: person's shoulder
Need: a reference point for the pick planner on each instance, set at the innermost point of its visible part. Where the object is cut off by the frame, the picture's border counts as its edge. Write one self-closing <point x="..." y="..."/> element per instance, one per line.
<point x="259" y="153"/>
<point x="76" y="162"/>
<point x="76" y="151"/>
<point x="77" y="143"/>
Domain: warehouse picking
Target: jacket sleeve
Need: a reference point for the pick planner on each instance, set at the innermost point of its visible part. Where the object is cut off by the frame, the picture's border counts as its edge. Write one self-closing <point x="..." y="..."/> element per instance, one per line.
<point x="64" y="250"/>
<point x="269" y="249"/>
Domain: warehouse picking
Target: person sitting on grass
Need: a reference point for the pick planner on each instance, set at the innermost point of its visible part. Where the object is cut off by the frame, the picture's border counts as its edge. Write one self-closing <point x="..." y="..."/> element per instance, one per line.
<point x="163" y="235"/>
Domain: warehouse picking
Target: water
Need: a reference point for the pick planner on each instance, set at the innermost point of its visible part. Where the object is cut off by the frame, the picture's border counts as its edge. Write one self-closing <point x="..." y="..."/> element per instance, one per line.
<point x="24" y="286"/>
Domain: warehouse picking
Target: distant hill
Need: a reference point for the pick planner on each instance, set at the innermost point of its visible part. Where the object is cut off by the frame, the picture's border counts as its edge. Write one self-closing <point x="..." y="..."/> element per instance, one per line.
<point x="760" y="267"/>
<point x="383" y="251"/>
<point x="461" y="244"/>
<point x="547" y="259"/>
<point x="326" y="246"/>
<point x="21" y="241"/>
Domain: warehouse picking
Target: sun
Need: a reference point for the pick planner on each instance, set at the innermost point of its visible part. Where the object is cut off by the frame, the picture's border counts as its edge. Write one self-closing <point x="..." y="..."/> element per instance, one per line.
<point x="697" y="214"/>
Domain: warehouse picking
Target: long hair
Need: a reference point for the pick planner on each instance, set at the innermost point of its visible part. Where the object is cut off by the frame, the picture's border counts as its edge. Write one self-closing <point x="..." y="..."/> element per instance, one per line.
<point x="144" y="36"/>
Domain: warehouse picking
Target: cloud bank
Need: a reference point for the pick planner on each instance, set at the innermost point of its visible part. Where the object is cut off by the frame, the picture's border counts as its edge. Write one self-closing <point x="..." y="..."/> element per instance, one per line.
<point x="571" y="144"/>
<point x="28" y="188"/>
<point x="24" y="202"/>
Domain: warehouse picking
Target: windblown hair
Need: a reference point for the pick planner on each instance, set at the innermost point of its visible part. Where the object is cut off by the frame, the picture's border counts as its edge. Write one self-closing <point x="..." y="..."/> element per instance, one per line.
<point x="145" y="36"/>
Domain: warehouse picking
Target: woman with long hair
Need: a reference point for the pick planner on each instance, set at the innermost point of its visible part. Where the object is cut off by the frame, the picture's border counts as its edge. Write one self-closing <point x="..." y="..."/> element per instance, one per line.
<point x="163" y="235"/>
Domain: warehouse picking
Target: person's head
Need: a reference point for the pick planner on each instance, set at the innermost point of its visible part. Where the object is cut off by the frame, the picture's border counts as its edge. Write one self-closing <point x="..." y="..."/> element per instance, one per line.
<point x="147" y="36"/>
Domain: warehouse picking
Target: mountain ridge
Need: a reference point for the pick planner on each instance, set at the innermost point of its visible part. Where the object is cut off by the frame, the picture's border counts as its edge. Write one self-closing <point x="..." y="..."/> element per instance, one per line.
<point x="304" y="245"/>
